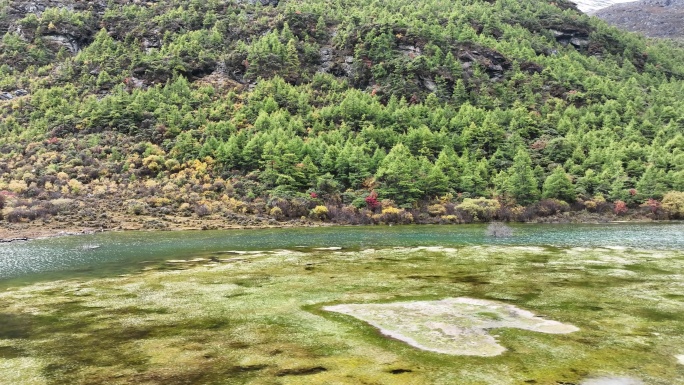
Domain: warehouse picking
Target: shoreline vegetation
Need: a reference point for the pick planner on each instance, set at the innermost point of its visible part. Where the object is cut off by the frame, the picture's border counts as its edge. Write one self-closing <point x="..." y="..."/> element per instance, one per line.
<point x="207" y="114"/>
<point x="69" y="225"/>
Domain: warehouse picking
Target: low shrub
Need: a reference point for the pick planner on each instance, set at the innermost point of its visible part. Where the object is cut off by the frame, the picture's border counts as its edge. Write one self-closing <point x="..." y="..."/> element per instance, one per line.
<point x="391" y="215"/>
<point x="319" y="212"/>
<point x="448" y="219"/>
<point x="511" y="213"/>
<point x="673" y="204"/>
<point x="548" y="207"/>
<point x="437" y="210"/>
<point x="482" y="209"/>
<point x="136" y="207"/>
<point x="19" y="214"/>
<point x="597" y="204"/>
<point x="293" y="207"/>
<point x="620" y="207"/>
<point x="276" y="213"/>
<point x="372" y="201"/>
<point x="359" y="203"/>
<point x="202" y="210"/>
<point x="346" y="214"/>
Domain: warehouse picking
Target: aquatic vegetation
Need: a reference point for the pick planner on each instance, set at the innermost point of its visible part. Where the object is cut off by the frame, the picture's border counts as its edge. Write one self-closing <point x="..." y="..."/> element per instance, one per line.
<point x="259" y="318"/>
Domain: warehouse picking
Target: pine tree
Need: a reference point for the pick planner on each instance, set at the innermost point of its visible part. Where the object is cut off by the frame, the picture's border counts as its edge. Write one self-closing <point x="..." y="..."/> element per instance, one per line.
<point x="651" y="184"/>
<point x="321" y="28"/>
<point x="522" y="182"/>
<point x="436" y="182"/>
<point x="293" y="66"/>
<point x="228" y="154"/>
<point x="460" y="94"/>
<point x="449" y="163"/>
<point x="397" y="176"/>
<point x="558" y="185"/>
<point x="309" y="171"/>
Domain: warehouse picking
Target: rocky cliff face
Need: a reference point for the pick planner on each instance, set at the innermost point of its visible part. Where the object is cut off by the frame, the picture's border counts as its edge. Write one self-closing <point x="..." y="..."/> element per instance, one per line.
<point x="653" y="18"/>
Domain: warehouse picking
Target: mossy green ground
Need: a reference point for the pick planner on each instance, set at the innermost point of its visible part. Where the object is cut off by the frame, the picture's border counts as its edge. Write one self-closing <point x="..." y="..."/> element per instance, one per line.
<point x="258" y="319"/>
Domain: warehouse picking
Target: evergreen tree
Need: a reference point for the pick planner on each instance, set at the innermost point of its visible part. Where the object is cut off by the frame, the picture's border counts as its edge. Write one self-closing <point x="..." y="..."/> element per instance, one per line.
<point x="309" y="172"/>
<point x="436" y="182"/>
<point x="396" y="175"/>
<point x="558" y="185"/>
<point x="651" y="184"/>
<point x="522" y="182"/>
<point x="449" y="163"/>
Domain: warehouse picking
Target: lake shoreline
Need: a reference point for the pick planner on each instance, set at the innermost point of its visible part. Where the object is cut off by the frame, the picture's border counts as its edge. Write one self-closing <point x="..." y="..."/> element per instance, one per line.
<point x="21" y="232"/>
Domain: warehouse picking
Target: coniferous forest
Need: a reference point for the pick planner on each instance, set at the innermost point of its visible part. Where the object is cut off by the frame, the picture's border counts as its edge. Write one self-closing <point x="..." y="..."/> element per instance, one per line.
<point x="347" y="111"/>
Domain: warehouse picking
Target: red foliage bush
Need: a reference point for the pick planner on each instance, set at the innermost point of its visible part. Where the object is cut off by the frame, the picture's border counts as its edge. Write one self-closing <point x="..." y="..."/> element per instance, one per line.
<point x="372" y="200"/>
<point x="620" y="207"/>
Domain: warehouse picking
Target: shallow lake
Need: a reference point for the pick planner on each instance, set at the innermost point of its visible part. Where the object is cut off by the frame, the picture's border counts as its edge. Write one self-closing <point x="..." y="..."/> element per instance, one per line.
<point x="114" y="253"/>
<point x="553" y="304"/>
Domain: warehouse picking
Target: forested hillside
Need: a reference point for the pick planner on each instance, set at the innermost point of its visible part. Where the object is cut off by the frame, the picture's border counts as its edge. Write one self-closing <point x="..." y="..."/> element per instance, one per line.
<point x="346" y="110"/>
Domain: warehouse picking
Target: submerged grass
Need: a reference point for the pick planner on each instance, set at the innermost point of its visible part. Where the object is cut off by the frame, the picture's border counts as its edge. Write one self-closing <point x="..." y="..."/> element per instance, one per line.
<point x="259" y="319"/>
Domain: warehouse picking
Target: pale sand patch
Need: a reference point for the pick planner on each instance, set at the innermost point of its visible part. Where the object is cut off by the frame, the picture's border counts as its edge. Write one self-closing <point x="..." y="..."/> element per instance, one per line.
<point x="457" y="326"/>
<point x="23" y="370"/>
<point x="680" y="359"/>
<point x="243" y="252"/>
<point x="328" y="248"/>
<point x="535" y="249"/>
<point x="435" y="249"/>
<point x="619" y="248"/>
<point x="612" y="381"/>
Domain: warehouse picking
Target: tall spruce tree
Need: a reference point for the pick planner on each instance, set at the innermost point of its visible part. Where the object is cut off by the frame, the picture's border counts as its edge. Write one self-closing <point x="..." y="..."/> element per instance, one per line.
<point x="558" y="185"/>
<point x="397" y="176"/>
<point x="522" y="182"/>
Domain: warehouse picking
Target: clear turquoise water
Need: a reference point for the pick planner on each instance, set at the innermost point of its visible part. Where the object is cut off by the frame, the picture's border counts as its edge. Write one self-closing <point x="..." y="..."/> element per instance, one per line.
<point x="122" y="252"/>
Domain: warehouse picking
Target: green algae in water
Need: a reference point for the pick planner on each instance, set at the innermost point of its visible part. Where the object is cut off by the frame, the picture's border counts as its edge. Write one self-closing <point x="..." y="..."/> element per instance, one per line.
<point x="262" y="320"/>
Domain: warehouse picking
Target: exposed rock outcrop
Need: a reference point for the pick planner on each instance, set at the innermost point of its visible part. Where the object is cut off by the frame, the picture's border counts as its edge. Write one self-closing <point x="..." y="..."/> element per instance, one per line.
<point x="565" y="36"/>
<point x="12" y="95"/>
<point x="494" y="63"/>
<point x="653" y="18"/>
<point x="69" y="42"/>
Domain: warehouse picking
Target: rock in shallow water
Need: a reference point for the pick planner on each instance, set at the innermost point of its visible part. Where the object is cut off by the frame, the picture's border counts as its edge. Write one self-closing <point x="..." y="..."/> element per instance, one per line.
<point x="457" y="326"/>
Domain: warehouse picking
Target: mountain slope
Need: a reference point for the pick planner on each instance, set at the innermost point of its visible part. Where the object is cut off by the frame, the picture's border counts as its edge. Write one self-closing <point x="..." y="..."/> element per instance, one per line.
<point x="653" y="18"/>
<point x="231" y="110"/>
